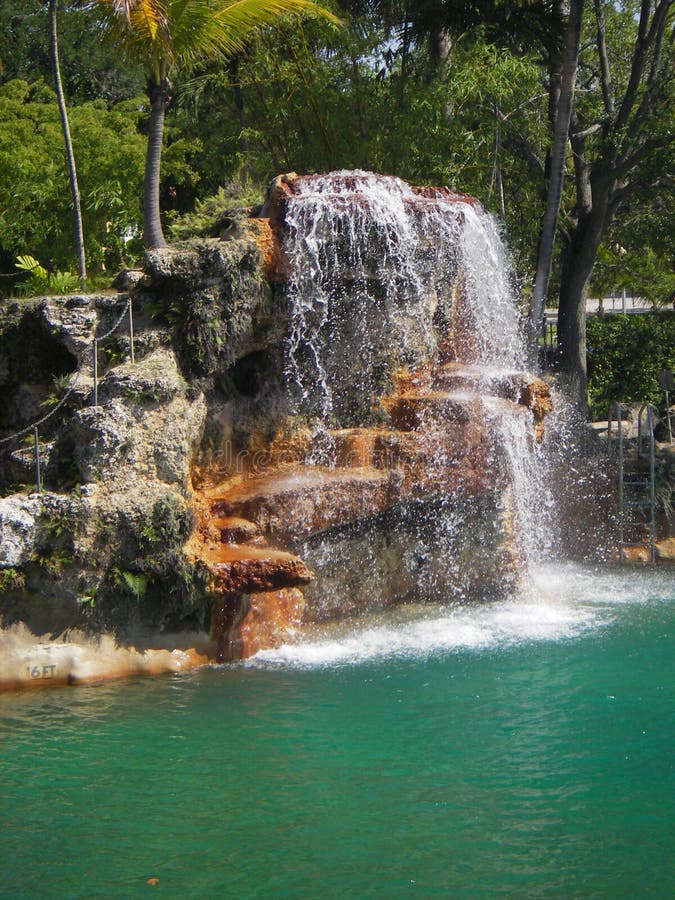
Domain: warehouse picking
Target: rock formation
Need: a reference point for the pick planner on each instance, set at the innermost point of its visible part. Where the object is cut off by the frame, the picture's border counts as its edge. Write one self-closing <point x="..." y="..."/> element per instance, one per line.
<point x="283" y="450"/>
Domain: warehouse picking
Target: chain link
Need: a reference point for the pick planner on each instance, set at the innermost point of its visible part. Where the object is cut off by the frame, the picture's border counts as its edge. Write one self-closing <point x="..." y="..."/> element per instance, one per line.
<point x="117" y="323"/>
<point x="51" y="412"/>
<point x="71" y="387"/>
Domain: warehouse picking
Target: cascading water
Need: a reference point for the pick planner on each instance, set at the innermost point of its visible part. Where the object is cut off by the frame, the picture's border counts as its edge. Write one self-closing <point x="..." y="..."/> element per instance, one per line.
<point x="381" y="273"/>
<point x="407" y="470"/>
<point x="393" y="251"/>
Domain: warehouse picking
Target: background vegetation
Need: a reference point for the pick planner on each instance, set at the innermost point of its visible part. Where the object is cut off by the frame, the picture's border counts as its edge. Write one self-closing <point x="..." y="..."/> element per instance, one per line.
<point x="436" y="92"/>
<point x="625" y="355"/>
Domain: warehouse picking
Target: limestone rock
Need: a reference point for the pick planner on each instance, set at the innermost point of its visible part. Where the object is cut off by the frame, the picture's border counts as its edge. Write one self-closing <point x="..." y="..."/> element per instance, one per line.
<point x="128" y="279"/>
<point x="102" y="440"/>
<point x="145" y="428"/>
<point x="155" y="379"/>
<point x="219" y="300"/>
<point x="18" y="529"/>
<point x="74" y="318"/>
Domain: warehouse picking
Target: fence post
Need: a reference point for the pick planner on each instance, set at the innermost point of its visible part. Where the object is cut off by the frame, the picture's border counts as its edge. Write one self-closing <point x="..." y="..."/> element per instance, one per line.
<point x="131" y="330"/>
<point x="95" y="372"/>
<point x="38" y="480"/>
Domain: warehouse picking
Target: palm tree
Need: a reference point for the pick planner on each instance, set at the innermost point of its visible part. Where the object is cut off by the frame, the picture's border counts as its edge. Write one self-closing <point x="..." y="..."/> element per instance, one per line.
<point x="72" y="171"/>
<point x="166" y="35"/>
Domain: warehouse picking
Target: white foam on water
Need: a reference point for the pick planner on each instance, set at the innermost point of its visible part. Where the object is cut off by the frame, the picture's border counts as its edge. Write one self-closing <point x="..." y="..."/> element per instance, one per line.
<point x="564" y="602"/>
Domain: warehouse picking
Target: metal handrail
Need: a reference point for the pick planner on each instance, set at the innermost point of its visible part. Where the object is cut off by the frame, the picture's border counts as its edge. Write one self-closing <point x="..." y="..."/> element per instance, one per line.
<point x="652" y="473"/>
<point x="616" y="414"/>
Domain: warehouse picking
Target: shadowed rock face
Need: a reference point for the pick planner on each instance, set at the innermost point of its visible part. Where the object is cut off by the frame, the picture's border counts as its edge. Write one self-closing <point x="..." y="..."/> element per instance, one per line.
<point x="392" y="479"/>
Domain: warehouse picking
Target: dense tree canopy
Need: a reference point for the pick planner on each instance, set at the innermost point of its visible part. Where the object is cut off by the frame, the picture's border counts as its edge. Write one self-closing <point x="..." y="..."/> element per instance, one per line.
<point x="436" y="92"/>
<point x="622" y="138"/>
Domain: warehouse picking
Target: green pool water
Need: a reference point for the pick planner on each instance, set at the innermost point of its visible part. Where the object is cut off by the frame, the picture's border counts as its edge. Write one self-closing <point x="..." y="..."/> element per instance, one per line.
<point x="525" y="749"/>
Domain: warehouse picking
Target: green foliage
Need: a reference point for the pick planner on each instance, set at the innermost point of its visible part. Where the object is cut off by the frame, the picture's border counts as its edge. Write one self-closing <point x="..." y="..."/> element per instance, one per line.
<point x="39" y="281"/>
<point x="625" y="354"/>
<point x="308" y="98"/>
<point x="215" y="216"/>
<point x="35" y="202"/>
<point x="167" y="527"/>
<point x="88" y="599"/>
<point x="637" y="254"/>
<point x="134" y="583"/>
<point x="90" y="67"/>
<point x="54" y="562"/>
<point x="642" y="272"/>
<point x="11" y="580"/>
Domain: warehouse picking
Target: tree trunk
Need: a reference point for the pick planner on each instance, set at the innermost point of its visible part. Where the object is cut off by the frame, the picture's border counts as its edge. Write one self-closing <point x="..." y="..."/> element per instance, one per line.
<point x="577" y="268"/>
<point x="72" y="170"/>
<point x="153" y="236"/>
<point x="557" y="174"/>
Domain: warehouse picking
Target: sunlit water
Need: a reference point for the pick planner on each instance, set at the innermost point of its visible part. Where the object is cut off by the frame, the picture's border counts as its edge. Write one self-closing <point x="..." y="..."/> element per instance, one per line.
<point x="521" y="749"/>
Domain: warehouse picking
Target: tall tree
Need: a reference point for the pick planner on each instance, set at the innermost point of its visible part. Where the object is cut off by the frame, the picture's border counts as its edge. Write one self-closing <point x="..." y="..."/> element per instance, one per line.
<point x="70" y="155"/>
<point x="165" y="35"/>
<point x="563" y="115"/>
<point x="616" y="145"/>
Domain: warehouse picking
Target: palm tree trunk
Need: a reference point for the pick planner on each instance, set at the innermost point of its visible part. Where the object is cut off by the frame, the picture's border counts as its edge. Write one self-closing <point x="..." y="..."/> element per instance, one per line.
<point x="555" y="185"/>
<point x="72" y="170"/>
<point x="153" y="236"/>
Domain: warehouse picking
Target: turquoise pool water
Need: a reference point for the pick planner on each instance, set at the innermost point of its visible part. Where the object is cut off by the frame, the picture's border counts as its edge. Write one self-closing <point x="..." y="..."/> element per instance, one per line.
<point x="523" y="749"/>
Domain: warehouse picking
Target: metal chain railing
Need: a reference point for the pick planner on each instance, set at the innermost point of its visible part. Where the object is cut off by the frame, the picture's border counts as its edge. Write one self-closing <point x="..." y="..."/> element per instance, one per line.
<point x="34" y="426"/>
<point x="117" y="324"/>
<point x="103" y="337"/>
<point x="71" y="388"/>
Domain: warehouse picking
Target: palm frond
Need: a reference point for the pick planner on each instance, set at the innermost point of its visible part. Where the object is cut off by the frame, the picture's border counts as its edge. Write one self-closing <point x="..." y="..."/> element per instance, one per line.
<point x="200" y="32"/>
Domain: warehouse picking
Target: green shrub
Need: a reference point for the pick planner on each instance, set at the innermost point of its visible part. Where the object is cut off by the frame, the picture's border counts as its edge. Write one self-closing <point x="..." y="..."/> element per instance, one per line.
<point x="11" y="580"/>
<point x="40" y="281"/>
<point x="217" y="215"/>
<point x="625" y="353"/>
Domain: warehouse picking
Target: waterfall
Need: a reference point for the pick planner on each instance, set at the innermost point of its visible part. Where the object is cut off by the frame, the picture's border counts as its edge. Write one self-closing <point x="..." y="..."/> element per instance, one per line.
<point x="382" y="274"/>
<point x="393" y="252"/>
<point x="406" y="467"/>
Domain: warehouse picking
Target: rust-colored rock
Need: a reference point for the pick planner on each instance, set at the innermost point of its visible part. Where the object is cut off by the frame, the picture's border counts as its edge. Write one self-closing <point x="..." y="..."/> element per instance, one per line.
<point x="365" y="447"/>
<point x="413" y="410"/>
<point x="635" y="553"/>
<point x="665" y="550"/>
<point x="233" y="530"/>
<point x="273" y="618"/>
<point x="442" y="193"/>
<point x="281" y="188"/>
<point x="243" y="624"/>
<point x="291" y="505"/>
<point x="536" y="396"/>
<point x="432" y="447"/>
<point x="236" y="569"/>
<point x="269" y="240"/>
<point x="522" y="388"/>
<point x="270" y="227"/>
